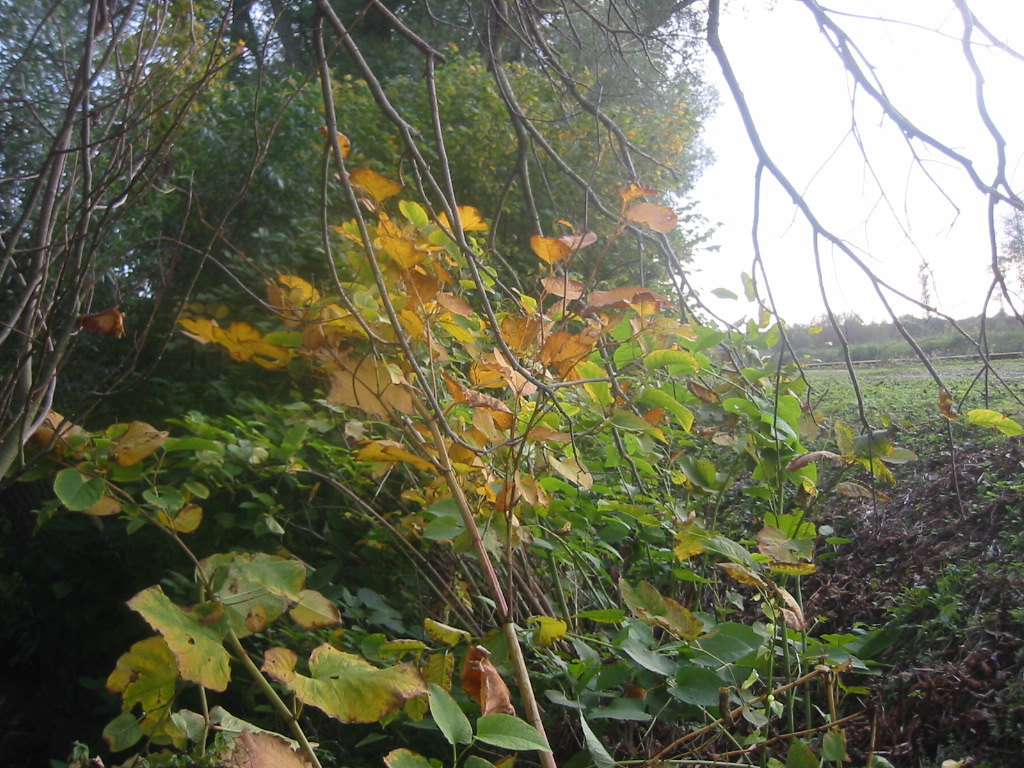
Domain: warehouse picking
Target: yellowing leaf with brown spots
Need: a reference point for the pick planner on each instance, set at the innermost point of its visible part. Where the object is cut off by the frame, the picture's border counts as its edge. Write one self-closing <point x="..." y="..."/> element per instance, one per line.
<point x="314" y="611"/>
<point x="946" y="407"/>
<point x="263" y="749"/>
<point x="345" y="686"/>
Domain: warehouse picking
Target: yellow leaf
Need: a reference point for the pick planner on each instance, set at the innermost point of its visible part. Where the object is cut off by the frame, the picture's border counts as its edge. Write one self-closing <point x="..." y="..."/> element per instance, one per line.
<point x="105" y="506"/>
<point x="573" y="470"/>
<point x="549" y="249"/>
<point x="378" y="187"/>
<point x="138" y="441"/>
<point x="314" y="611"/>
<point x="343" y="141"/>
<point x="633" y="190"/>
<point x="656" y="217"/>
<point x="402" y="250"/>
<point x="367" y="384"/>
<point x="390" y="452"/>
<point x="469" y="217"/>
<point x="743" y="575"/>
<point x="549" y="630"/>
<point x="443" y="633"/>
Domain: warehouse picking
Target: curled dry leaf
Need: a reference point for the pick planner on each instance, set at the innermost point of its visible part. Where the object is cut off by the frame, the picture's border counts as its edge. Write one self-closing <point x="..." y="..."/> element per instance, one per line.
<point x="578" y="240"/>
<point x="946" y="407"/>
<point x="633" y="190"/>
<point x="801" y="461"/>
<point x="343" y="141"/>
<point x="482" y="681"/>
<point x="622" y="298"/>
<point x="109" y="323"/>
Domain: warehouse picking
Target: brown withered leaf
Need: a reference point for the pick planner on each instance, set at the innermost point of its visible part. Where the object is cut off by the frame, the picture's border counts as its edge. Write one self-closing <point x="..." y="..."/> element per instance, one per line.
<point x="578" y="240"/>
<point x="703" y="394"/>
<point x="563" y="350"/>
<point x="454" y="304"/>
<point x="500" y="412"/>
<point x="946" y="407"/>
<point x="262" y="749"/>
<point x="801" y="461"/>
<point x="564" y="288"/>
<point x="482" y="681"/>
<point x="109" y="323"/>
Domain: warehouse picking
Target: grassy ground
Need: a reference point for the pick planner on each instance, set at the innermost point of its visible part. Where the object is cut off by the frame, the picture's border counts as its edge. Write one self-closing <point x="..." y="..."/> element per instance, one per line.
<point x="941" y="564"/>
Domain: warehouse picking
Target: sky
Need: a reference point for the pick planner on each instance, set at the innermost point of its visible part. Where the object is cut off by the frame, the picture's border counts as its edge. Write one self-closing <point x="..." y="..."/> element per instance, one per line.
<point x="890" y="212"/>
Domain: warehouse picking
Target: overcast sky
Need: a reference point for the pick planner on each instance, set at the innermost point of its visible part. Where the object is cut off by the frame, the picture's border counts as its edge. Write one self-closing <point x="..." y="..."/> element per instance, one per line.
<point x="801" y="99"/>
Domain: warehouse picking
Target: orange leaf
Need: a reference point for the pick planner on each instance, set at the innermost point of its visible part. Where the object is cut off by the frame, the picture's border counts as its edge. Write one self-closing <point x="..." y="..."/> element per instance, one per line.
<point x="633" y="190"/>
<point x="402" y="250"/>
<point x="470" y="218"/>
<point x="656" y="217"/>
<point x="578" y="240"/>
<point x="564" y="288"/>
<point x="109" y="323"/>
<point x="481" y="680"/>
<point x="549" y="249"/>
<point x="380" y="188"/>
<point x="548" y="435"/>
<point x="521" y="333"/>
<point x="703" y="394"/>
<point x="343" y="140"/>
<point x="563" y="350"/>
<point x="622" y="298"/>
<point x="454" y="304"/>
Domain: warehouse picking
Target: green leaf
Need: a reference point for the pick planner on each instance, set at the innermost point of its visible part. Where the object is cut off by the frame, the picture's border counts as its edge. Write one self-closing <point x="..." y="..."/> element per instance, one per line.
<point x="414" y="212"/>
<point x="594" y="746"/>
<point x="603" y="615"/>
<point x="800" y="756"/>
<point x="477" y="762"/>
<point x="698" y="686"/>
<point x="987" y="418"/>
<point x="724" y="293"/>
<point x="678" y="361"/>
<point x="661" y="399"/>
<point x="122" y="732"/>
<point x="345" y="686"/>
<point x="509" y="732"/>
<point x="196" y="645"/>
<point x="76" y="491"/>
<point x="146" y="674"/>
<point x="833" y="747"/>
<point x="449" y="717"/>
<point x="255" y="589"/>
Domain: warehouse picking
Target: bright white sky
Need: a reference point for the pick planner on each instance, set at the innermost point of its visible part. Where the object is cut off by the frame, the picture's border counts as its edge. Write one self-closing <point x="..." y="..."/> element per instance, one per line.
<point x="800" y="98"/>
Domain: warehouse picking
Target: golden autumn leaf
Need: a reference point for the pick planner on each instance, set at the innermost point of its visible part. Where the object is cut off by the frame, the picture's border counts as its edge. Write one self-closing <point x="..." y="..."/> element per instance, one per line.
<point x="314" y="611"/>
<point x="367" y="384"/>
<point x="343" y="141"/>
<point x="402" y="250"/>
<point x="105" y="506"/>
<point x="136" y="442"/>
<point x="380" y="188"/>
<point x="242" y="341"/>
<point x="390" y="452"/>
<point x="109" y="323"/>
<point x="522" y="333"/>
<point x="421" y="287"/>
<point x="500" y="412"/>
<point x="563" y="350"/>
<point x="549" y="249"/>
<point x="656" y="217"/>
<point x="633" y="190"/>
<point x="743" y="575"/>
<point x="470" y="218"/>
<point x="484" y="684"/>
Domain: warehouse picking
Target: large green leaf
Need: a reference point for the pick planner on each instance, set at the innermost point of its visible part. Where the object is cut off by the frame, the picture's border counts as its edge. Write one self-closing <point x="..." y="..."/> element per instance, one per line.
<point x="195" y="642"/>
<point x="600" y="755"/>
<point x="345" y="686"/>
<point x="449" y="718"/>
<point x="76" y="491"/>
<point x="509" y="732"/>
